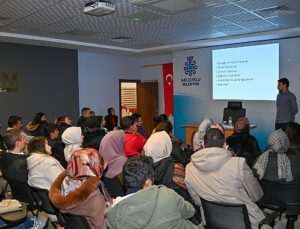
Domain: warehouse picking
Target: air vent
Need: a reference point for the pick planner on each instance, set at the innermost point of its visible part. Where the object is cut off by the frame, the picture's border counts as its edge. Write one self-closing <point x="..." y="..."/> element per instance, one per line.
<point x="144" y="16"/>
<point x="275" y="11"/>
<point x="121" y="39"/>
<point x="78" y="32"/>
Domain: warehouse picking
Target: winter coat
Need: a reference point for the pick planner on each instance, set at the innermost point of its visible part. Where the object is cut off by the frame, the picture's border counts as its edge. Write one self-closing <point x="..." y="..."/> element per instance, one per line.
<point x="215" y="175"/>
<point x="153" y="207"/>
<point x="43" y="170"/>
<point x="86" y="201"/>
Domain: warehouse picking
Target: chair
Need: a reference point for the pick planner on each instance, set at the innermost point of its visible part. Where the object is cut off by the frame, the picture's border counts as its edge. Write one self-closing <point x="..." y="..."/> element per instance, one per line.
<point x="230" y="216"/>
<point x="288" y="192"/>
<point x="46" y="206"/>
<point x="235" y="114"/>
<point x="22" y="192"/>
<point x="76" y="222"/>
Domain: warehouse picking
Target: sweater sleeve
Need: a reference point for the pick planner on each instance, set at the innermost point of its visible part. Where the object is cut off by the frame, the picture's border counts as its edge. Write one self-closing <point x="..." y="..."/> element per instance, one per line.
<point x="294" y="104"/>
<point x="185" y="208"/>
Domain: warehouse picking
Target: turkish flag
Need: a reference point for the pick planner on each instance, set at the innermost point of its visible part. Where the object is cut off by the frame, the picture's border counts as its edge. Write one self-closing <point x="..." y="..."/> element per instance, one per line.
<point x="168" y="88"/>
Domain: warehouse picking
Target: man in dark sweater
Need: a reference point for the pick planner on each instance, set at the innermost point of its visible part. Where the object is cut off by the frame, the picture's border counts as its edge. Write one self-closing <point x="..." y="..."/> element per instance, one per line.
<point x="13" y="162"/>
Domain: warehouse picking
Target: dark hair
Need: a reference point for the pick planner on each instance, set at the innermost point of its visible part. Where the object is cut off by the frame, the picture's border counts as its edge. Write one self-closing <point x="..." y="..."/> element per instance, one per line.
<point x="50" y="128"/>
<point x="61" y="119"/>
<point x="284" y="81"/>
<point x="293" y="133"/>
<point x="109" y="110"/>
<point x="164" y="126"/>
<point x="37" y="144"/>
<point x="37" y="118"/>
<point x="13" y="120"/>
<point x="126" y="122"/>
<point x="136" y="116"/>
<point x="85" y="109"/>
<point x="160" y="118"/>
<point x="11" y="137"/>
<point x="214" y="138"/>
<point x="93" y="122"/>
<point x="137" y="170"/>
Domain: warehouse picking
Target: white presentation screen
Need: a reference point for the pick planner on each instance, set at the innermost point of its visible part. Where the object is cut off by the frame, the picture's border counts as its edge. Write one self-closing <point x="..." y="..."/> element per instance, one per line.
<point x="246" y="73"/>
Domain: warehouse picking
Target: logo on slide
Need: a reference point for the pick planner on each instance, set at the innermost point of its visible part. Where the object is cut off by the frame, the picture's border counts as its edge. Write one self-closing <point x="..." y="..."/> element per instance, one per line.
<point x="190" y="66"/>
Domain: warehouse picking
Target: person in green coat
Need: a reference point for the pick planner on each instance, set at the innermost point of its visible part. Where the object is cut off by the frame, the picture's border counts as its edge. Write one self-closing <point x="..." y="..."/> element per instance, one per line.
<point x="147" y="205"/>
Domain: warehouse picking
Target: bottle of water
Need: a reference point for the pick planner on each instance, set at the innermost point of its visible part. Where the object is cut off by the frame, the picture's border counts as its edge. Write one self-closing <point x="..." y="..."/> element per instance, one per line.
<point x="230" y="121"/>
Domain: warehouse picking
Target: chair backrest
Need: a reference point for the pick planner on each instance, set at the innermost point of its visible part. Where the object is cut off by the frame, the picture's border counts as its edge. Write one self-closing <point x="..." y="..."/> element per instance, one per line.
<point x="235" y="114"/>
<point x="22" y="192"/>
<point x="288" y="192"/>
<point x="46" y="204"/>
<point x="76" y="222"/>
<point x="225" y="216"/>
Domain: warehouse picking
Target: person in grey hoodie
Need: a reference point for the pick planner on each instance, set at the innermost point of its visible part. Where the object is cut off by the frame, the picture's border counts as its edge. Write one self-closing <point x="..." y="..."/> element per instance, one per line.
<point x="215" y="175"/>
<point x="147" y="205"/>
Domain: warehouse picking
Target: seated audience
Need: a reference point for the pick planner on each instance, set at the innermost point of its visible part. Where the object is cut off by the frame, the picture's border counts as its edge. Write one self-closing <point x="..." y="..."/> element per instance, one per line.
<point x="37" y="126"/>
<point x="293" y="153"/>
<point x="13" y="162"/>
<point x="63" y="122"/>
<point x="241" y="143"/>
<point x="2" y="148"/>
<point x="139" y="123"/>
<point x="57" y="147"/>
<point x="199" y="135"/>
<point x="76" y="190"/>
<point x="215" y="175"/>
<point x="112" y="150"/>
<point x="274" y="164"/>
<point x="85" y="113"/>
<point x="72" y="137"/>
<point x="111" y="120"/>
<point x="15" y="122"/>
<point x="147" y="205"/>
<point x="168" y="171"/>
<point x="159" y="119"/>
<point x="179" y="153"/>
<point x="42" y="168"/>
<point x="134" y="141"/>
<point x="93" y="132"/>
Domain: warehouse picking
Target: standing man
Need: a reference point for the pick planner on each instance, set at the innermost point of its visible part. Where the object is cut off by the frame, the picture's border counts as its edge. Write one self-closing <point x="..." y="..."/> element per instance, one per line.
<point x="286" y="104"/>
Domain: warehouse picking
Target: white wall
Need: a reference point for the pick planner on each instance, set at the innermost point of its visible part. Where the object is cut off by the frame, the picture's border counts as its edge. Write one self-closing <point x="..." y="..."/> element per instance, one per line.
<point x="155" y="73"/>
<point x="99" y="76"/>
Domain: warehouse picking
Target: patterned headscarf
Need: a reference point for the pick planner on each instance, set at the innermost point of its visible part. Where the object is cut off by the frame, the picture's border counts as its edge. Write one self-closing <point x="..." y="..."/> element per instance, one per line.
<point x="278" y="142"/>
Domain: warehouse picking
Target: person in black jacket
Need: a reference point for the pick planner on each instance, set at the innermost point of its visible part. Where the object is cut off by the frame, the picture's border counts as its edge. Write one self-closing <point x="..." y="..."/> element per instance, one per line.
<point x="111" y="120"/>
<point x="241" y="143"/>
<point x="93" y="132"/>
<point x="13" y="162"/>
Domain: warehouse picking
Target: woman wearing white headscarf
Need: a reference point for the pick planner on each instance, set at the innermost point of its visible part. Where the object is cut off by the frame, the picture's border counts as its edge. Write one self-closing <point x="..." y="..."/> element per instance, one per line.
<point x="274" y="163"/>
<point x="72" y="137"/>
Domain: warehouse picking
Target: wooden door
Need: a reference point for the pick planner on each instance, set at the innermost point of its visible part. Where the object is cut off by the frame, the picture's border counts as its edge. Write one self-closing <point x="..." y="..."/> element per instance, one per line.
<point x="147" y="104"/>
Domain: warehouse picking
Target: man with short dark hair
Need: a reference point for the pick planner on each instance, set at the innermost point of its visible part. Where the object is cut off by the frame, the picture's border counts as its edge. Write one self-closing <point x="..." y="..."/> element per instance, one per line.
<point x="85" y="113"/>
<point x="14" y="122"/>
<point x="139" y="123"/>
<point x="151" y="206"/>
<point x="286" y="104"/>
<point x="13" y="162"/>
<point x="134" y="141"/>
<point x="213" y="174"/>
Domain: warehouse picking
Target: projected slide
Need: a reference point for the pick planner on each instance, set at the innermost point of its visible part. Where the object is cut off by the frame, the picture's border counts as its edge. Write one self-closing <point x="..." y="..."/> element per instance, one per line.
<point x="246" y="73"/>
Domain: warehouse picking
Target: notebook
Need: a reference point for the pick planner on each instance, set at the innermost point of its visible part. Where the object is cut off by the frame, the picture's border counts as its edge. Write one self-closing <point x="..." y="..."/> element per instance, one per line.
<point x="10" y="205"/>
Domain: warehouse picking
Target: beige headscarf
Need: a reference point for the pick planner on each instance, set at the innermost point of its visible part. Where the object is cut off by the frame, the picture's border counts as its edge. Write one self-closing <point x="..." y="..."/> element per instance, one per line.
<point x="72" y="138"/>
<point x="158" y="146"/>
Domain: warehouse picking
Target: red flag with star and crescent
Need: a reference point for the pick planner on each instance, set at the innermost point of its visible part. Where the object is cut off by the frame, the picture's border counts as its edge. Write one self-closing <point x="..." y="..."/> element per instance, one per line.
<point x="168" y="88"/>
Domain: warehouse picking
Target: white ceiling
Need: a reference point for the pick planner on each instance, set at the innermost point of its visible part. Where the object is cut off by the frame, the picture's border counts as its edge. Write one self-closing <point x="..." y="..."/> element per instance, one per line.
<point x="163" y="26"/>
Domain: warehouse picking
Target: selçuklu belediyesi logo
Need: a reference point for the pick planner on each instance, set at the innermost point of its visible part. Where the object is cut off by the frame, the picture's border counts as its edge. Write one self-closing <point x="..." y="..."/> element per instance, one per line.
<point x="190" y="67"/>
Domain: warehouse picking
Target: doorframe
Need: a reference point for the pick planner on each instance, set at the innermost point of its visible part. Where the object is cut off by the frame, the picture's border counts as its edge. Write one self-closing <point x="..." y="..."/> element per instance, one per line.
<point x="124" y="81"/>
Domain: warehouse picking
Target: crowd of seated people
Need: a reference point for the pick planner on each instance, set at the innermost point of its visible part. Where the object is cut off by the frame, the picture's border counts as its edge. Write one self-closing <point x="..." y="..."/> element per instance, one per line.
<point x="159" y="180"/>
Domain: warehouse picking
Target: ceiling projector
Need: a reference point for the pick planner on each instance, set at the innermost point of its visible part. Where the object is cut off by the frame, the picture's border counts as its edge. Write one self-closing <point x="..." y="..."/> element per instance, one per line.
<point x="99" y="8"/>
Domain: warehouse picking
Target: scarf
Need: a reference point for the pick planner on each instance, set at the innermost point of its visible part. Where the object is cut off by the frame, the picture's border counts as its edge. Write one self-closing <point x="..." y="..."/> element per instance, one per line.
<point x="158" y="146"/>
<point x="278" y="142"/>
<point x="72" y="138"/>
